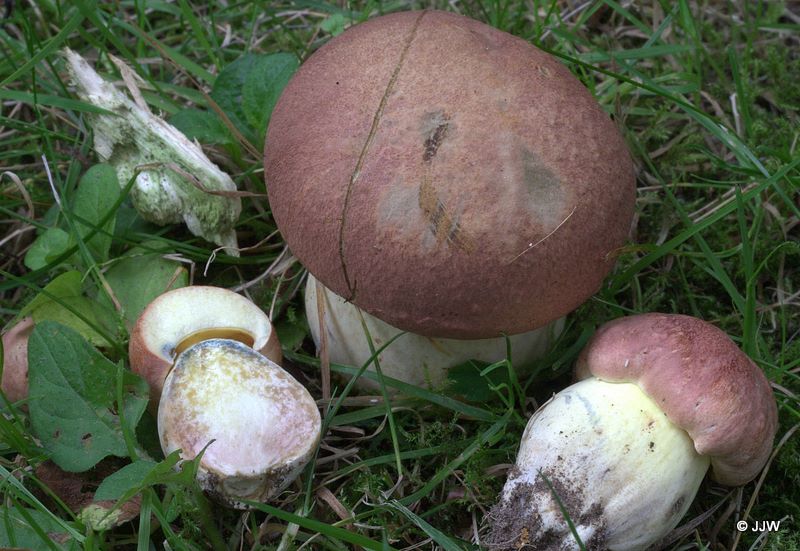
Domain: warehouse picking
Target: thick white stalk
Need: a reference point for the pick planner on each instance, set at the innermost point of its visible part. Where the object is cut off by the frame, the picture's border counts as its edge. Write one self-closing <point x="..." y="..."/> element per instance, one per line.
<point x="414" y="359"/>
<point x="624" y="473"/>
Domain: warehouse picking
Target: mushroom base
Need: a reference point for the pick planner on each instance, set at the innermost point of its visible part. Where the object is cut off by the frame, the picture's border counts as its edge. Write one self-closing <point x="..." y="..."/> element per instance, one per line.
<point x="609" y="457"/>
<point x="414" y="359"/>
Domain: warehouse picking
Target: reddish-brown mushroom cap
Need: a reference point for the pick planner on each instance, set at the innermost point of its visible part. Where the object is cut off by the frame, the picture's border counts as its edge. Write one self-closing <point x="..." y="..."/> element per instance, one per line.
<point x="701" y="380"/>
<point x="15" y="360"/>
<point x="448" y="178"/>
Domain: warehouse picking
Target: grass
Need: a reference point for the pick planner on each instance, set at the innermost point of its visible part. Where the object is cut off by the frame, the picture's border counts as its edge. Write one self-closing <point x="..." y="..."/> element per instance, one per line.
<point x="706" y="94"/>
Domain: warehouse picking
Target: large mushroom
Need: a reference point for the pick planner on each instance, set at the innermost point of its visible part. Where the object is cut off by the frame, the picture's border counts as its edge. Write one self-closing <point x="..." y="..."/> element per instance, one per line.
<point x="448" y="178"/>
<point x="623" y="451"/>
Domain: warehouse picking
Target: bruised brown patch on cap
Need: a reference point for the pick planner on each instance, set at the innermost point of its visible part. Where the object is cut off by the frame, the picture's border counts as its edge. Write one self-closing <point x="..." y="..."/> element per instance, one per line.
<point x="701" y="380"/>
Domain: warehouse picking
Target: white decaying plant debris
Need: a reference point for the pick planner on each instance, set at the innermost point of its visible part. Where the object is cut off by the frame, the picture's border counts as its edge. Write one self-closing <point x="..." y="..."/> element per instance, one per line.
<point x="164" y="192"/>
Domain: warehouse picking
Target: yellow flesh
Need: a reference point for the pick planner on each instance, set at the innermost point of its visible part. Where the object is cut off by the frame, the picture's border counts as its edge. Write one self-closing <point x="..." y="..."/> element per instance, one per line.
<point x="232" y="333"/>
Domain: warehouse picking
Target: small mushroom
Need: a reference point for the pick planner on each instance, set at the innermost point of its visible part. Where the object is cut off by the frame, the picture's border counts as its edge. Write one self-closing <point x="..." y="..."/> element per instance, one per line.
<point x="182" y="317"/>
<point x="15" y="360"/>
<point x="206" y="353"/>
<point x="623" y="451"/>
<point x="256" y="426"/>
<point x="411" y="358"/>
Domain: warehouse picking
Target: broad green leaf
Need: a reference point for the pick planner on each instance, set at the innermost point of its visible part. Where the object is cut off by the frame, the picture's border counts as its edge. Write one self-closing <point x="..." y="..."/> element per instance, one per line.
<point x="62" y="300"/>
<point x="97" y="192"/>
<point x="133" y="478"/>
<point x="140" y="278"/>
<point x="227" y="93"/>
<point x="263" y="86"/>
<point x="334" y="24"/>
<point x="125" y="479"/>
<point x="467" y="381"/>
<point x="72" y="402"/>
<point x="48" y="246"/>
<point x="203" y="126"/>
<point x="30" y="529"/>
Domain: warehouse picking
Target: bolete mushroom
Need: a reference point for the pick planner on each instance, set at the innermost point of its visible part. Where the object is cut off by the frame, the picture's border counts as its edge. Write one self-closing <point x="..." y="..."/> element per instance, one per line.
<point x="177" y="319"/>
<point x="205" y="351"/>
<point x="448" y="178"/>
<point x="414" y="359"/>
<point x="15" y="360"/>
<point x="623" y="451"/>
<point x="259" y="424"/>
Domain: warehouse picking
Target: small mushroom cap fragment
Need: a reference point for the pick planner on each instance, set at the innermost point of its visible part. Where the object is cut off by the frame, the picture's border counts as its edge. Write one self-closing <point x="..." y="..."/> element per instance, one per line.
<point x="414" y="359"/>
<point x="178" y="314"/>
<point x="701" y="380"/>
<point x="259" y="424"/>
<point x="15" y="360"/>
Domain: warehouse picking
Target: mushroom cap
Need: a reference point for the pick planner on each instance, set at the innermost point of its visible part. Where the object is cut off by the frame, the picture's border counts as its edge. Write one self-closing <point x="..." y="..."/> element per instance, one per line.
<point x="15" y="360"/>
<point x="701" y="380"/>
<point x="448" y="178"/>
<point x="257" y="424"/>
<point x="181" y="313"/>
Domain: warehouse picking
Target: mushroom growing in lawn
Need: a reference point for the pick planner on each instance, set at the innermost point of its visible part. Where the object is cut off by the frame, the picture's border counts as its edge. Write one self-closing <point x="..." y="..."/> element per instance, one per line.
<point x="205" y="351"/>
<point x="446" y="177"/>
<point x="623" y="451"/>
<point x="414" y="359"/>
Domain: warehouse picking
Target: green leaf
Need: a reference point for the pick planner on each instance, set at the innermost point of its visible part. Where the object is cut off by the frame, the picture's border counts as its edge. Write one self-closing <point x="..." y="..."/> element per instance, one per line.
<point x="227" y="93"/>
<point x="72" y="400"/>
<point x="96" y="195"/>
<point x="292" y="332"/>
<point x="134" y="478"/>
<point x="62" y="300"/>
<point x="30" y="529"/>
<point x="139" y="278"/>
<point x="127" y="478"/>
<point x="203" y="126"/>
<point x="48" y="246"/>
<point x="334" y="24"/>
<point x="467" y="381"/>
<point x="247" y="90"/>
<point x="263" y="87"/>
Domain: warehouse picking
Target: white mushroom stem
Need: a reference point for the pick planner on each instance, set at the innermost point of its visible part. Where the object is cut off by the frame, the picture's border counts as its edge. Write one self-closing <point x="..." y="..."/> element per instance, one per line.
<point x="411" y="358"/>
<point x="624" y="473"/>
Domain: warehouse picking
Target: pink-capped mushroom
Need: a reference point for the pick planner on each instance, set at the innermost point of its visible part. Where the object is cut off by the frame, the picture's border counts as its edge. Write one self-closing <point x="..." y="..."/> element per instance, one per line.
<point x="660" y="398"/>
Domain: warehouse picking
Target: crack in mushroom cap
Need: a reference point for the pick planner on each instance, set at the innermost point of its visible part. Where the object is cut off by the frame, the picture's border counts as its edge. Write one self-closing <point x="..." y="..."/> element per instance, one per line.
<point x="448" y="178"/>
<point x="701" y="380"/>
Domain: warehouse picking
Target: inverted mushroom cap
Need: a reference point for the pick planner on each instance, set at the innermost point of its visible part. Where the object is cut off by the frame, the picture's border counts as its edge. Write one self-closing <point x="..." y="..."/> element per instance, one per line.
<point x="448" y="178"/>
<point x="701" y="380"/>
<point x="259" y="424"/>
<point x="182" y="317"/>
